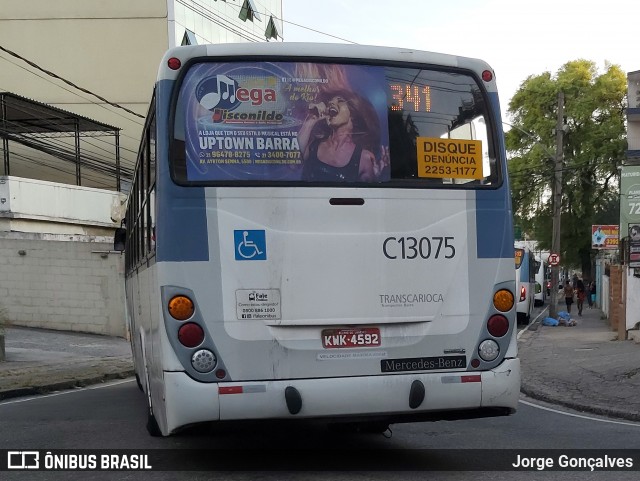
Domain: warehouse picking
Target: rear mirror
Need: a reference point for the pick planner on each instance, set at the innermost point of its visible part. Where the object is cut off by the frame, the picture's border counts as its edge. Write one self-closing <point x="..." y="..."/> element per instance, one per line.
<point x="119" y="239"/>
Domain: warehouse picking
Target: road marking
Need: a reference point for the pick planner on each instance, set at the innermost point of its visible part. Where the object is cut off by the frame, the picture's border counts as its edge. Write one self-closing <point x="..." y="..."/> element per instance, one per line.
<point x="524" y="329"/>
<point x="557" y="411"/>
<point x="581" y="416"/>
<point x="70" y="391"/>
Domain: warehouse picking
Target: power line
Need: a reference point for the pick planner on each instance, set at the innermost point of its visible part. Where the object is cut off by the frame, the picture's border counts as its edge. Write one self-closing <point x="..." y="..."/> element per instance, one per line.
<point x="68" y="155"/>
<point x="54" y="129"/>
<point x="85" y="174"/>
<point x="316" y="31"/>
<point x="73" y="93"/>
<point x="68" y="82"/>
<point x="228" y="23"/>
<point x="265" y="13"/>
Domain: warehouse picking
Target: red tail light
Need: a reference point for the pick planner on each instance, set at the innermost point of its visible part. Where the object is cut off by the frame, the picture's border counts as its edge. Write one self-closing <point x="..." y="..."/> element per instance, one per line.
<point x="191" y="335"/>
<point x="498" y="325"/>
<point x="523" y="293"/>
<point x="174" y="63"/>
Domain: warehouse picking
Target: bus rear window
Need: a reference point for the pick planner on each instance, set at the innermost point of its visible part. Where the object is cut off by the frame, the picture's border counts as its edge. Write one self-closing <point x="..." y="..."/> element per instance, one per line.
<point x="324" y="124"/>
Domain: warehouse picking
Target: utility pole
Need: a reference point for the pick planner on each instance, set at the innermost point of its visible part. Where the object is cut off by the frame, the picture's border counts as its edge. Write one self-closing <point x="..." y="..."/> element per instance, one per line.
<point x="557" y="207"/>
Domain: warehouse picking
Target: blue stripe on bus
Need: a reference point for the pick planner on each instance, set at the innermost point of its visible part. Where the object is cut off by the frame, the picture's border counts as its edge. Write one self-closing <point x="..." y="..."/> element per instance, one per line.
<point x="182" y="233"/>
<point x="182" y="236"/>
<point x="494" y="228"/>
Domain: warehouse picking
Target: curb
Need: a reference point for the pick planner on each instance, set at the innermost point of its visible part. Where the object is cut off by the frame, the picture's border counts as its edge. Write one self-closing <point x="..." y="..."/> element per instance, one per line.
<point x="537" y="391"/>
<point x="58" y="386"/>
<point x="616" y="413"/>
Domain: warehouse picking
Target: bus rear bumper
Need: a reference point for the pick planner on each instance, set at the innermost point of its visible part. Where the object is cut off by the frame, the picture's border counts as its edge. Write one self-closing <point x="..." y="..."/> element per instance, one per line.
<point x="446" y="396"/>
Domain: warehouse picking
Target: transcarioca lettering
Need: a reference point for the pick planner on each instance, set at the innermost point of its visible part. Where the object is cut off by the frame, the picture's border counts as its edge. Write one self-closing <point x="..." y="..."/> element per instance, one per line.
<point x="404" y="298"/>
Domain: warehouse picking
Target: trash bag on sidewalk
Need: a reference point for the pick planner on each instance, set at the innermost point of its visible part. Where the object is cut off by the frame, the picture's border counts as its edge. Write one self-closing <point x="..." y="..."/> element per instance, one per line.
<point x="549" y="321"/>
<point x="564" y="319"/>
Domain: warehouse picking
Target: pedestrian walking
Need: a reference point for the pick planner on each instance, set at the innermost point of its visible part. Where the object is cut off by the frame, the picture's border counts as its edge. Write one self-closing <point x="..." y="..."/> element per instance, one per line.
<point x="568" y="295"/>
<point x="592" y="294"/>
<point x="580" y="294"/>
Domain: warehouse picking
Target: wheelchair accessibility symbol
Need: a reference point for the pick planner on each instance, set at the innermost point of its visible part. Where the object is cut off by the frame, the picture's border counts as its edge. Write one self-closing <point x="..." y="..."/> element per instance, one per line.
<point x="250" y="245"/>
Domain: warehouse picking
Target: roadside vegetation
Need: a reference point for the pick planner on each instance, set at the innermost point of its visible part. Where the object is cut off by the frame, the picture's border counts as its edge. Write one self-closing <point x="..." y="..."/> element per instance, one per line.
<point x="594" y="147"/>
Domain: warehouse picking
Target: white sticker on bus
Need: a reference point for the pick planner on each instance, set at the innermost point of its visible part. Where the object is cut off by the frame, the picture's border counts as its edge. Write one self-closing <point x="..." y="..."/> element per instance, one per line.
<point x="262" y="304"/>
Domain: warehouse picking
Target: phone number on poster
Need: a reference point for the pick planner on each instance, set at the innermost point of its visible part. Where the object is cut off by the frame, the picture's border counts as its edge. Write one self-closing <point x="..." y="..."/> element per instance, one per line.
<point x="447" y="170"/>
<point x="281" y="155"/>
<point x="227" y="155"/>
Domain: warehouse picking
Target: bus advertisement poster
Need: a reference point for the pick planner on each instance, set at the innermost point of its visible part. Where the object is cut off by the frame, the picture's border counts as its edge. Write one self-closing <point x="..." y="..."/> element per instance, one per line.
<point x="267" y="121"/>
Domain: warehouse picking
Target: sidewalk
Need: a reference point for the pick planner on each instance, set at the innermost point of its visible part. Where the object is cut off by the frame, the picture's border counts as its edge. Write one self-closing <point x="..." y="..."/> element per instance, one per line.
<point x="581" y="367"/>
<point x="42" y="360"/>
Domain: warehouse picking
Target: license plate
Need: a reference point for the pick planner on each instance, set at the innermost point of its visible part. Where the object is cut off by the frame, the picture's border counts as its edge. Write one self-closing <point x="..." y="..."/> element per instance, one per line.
<point x="341" y="338"/>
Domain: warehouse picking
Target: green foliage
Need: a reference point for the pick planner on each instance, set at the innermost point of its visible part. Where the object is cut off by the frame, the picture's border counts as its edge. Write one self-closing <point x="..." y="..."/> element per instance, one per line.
<point x="594" y="145"/>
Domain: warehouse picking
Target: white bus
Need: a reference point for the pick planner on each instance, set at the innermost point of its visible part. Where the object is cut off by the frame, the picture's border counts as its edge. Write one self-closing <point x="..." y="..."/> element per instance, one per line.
<point x="525" y="281"/>
<point x="321" y="231"/>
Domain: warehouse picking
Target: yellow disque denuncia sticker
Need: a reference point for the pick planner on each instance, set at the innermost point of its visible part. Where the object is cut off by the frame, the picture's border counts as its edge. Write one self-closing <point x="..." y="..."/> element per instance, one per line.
<point x="449" y="158"/>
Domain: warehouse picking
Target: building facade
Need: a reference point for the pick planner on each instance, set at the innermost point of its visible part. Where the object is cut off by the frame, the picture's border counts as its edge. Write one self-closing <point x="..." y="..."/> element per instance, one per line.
<point x="96" y="61"/>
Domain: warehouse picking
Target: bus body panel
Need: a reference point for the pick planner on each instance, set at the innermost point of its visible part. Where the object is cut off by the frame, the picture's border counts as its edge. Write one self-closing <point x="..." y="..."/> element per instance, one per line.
<point x="384" y="260"/>
<point x="342" y="397"/>
<point x="293" y="344"/>
<point x="284" y="352"/>
<point x="307" y="50"/>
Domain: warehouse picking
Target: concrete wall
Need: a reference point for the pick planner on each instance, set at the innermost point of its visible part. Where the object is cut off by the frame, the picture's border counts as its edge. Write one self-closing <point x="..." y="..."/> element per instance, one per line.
<point x="633" y="300"/>
<point x="62" y="282"/>
<point x="56" y="268"/>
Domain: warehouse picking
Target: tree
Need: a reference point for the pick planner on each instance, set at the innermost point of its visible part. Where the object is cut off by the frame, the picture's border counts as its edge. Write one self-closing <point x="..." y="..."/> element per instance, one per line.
<point x="594" y="146"/>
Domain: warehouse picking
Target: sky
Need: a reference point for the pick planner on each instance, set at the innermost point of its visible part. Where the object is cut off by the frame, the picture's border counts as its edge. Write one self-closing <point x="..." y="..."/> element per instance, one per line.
<point x="516" y="38"/>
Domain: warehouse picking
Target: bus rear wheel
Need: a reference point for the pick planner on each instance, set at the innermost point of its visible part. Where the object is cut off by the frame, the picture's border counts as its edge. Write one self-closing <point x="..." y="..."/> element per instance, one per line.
<point x="152" y="426"/>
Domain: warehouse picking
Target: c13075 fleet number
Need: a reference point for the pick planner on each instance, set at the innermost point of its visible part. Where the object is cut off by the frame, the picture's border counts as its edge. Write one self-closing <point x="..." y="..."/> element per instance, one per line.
<point x="423" y="247"/>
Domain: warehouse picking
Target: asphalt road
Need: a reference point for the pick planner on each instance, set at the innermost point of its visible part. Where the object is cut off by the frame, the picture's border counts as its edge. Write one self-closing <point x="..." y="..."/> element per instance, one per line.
<point x="112" y="416"/>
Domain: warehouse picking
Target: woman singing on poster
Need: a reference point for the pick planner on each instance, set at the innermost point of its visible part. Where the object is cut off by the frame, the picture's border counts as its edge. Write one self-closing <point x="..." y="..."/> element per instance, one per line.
<point x="338" y="138"/>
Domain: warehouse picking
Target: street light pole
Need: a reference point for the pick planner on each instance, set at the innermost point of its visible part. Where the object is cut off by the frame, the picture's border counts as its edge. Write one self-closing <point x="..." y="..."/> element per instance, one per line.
<point x="557" y="206"/>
